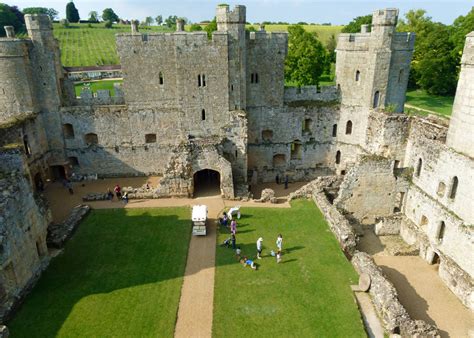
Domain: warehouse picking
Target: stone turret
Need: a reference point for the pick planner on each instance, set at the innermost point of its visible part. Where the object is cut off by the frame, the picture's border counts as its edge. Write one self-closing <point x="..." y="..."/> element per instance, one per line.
<point x="461" y="129"/>
<point x="10" y="30"/>
<point x="233" y="22"/>
<point x="134" y="26"/>
<point x="179" y="25"/>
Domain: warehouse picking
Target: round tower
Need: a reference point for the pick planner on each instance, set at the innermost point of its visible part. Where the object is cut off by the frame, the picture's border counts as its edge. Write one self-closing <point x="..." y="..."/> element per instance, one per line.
<point x="15" y="79"/>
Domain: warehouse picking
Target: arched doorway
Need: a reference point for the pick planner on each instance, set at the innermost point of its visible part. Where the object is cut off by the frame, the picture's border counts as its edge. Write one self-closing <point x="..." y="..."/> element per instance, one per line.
<point x="207" y="182"/>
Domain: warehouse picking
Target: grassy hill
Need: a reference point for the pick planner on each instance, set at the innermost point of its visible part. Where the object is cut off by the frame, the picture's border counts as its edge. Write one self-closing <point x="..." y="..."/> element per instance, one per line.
<point x="84" y="45"/>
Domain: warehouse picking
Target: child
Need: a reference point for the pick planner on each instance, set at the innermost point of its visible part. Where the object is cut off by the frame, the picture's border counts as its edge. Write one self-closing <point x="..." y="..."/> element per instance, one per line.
<point x="227" y="242"/>
<point x="279" y="244"/>
<point x="238" y="252"/>
<point x="245" y="261"/>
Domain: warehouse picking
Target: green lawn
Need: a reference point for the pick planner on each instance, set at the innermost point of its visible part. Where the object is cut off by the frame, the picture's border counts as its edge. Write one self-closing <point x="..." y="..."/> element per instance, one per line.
<point x="97" y="85"/>
<point x="307" y="295"/>
<point x="442" y="105"/>
<point x="120" y="276"/>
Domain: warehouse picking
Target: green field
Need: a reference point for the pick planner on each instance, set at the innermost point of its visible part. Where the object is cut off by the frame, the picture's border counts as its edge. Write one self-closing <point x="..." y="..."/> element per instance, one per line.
<point x="119" y="276"/>
<point x="94" y="86"/>
<point x="307" y="295"/>
<point x="441" y="105"/>
<point x="82" y="45"/>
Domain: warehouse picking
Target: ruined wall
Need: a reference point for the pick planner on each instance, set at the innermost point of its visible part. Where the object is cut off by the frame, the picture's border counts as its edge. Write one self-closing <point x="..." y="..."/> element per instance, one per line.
<point x="23" y="225"/>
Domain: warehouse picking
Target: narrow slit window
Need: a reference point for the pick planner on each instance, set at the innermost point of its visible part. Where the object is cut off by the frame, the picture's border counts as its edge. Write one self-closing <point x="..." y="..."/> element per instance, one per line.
<point x="357" y="75"/>
<point x="252" y="78"/>
<point x="199" y="80"/>
<point x="161" y="78"/>
<point x="349" y="127"/>
<point x="256" y="77"/>
<point x="454" y="188"/>
<point x="338" y="157"/>
<point x="203" y="115"/>
<point x="418" y="167"/>
<point x="203" y="80"/>
<point x="334" y="130"/>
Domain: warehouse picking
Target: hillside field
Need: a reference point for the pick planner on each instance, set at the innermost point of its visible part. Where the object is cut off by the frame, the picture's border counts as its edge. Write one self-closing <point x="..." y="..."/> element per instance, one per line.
<point x="94" y="45"/>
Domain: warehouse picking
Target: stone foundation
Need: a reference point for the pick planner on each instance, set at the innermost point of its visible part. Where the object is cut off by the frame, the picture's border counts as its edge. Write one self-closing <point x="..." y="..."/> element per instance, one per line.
<point x="58" y="234"/>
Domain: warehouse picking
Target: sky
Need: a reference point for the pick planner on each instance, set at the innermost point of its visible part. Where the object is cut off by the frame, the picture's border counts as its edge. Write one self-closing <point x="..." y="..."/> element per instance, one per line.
<point x="337" y="12"/>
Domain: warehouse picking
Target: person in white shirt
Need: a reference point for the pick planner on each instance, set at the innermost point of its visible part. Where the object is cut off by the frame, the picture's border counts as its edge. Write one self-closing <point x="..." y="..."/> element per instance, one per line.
<point x="279" y="244"/>
<point x="259" y="248"/>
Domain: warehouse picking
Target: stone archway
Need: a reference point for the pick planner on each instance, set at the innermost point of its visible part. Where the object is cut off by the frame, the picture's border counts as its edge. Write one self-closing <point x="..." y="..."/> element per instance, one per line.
<point x="206" y="182"/>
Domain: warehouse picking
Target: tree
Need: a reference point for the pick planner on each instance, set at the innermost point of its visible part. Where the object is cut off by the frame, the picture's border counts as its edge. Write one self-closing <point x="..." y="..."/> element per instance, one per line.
<point x="51" y="12"/>
<point x="9" y="18"/>
<point x="331" y="47"/>
<point x="211" y="27"/>
<point x="109" y="15"/>
<point x="159" y="20"/>
<point x="356" y="23"/>
<point x="195" y="27"/>
<point x="307" y="58"/>
<point x="93" y="16"/>
<point x="148" y="21"/>
<point x="170" y="21"/>
<point x="108" y="24"/>
<point x="461" y="27"/>
<point x="72" y="14"/>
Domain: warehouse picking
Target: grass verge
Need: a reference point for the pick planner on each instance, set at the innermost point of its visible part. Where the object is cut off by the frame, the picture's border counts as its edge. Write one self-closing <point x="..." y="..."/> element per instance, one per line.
<point x="441" y="105"/>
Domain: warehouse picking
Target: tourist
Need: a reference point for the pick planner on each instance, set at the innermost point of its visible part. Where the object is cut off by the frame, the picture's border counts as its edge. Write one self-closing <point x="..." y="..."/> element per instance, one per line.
<point x="259" y="248"/>
<point x="110" y="195"/>
<point x="238" y="251"/>
<point x="233" y="241"/>
<point x="277" y="179"/>
<point x="279" y="244"/>
<point x="245" y="261"/>
<point x="224" y="219"/>
<point x="125" y="198"/>
<point x="118" y="192"/>
<point x="286" y="181"/>
<point x="233" y="227"/>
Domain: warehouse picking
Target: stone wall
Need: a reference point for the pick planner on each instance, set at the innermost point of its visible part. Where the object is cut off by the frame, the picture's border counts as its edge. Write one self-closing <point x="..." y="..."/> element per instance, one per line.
<point x="389" y="225"/>
<point x="23" y="225"/>
<point x="310" y="93"/>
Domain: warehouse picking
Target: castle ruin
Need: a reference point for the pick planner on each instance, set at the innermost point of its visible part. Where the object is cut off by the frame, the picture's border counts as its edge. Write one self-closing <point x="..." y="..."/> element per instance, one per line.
<point x="192" y="105"/>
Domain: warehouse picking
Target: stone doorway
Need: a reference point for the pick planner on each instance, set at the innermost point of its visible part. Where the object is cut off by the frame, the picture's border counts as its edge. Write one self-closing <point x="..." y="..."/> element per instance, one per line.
<point x="207" y="182"/>
<point x="58" y="172"/>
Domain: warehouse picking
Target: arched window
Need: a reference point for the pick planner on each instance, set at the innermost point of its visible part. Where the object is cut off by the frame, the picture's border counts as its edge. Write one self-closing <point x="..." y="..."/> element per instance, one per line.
<point x="203" y="114"/>
<point x="376" y="99"/>
<point x="91" y="138"/>
<point x="161" y="78"/>
<point x="441" y="230"/>
<point x="68" y="130"/>
<point x="349" y="127"/>
<point x="418" y="167"/>
<point x="307" y="124"/>
<point x="454" y="187"/>
<point x="150" y="138"/>
<point x="357" y="75"/>
<point x="73" y="161"/>
<point x="338" y="157"/>
<point x="334" y="130"/>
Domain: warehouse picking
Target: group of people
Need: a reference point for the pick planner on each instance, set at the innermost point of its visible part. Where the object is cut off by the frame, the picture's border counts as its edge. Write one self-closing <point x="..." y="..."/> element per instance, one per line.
<point x="118" y="193"/>
<point x="278" y="180"/>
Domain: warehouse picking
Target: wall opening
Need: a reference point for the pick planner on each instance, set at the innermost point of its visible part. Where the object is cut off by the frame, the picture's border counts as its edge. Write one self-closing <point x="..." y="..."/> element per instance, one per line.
<point x="307" y="125"/>
<point x="279" y="160"/>
<point x="338" y="157"/>
<point x="206" y="182"/>
<point x="68" y="130"/>
<point x="73" y="160"/>
<point x="376" y="99"/>
<point x="441" y="229"/>
<point x="418" y="167"/>
<point x="400" y="75"/>
<point x="26" y="145"/>
<point x="203" y="114"/>
<point x="334" y="130"/>
<point x="150" y="138"/>
<point x="161" y="78"/>
<point x="91" y="138"/>
<point x="436" y="259"/>
<point x="454" y="188"/>
<point x="199" y="80"/>
<point x="399" y="201"/>
<point x="267" y="135"/>
<point x="296" y="150"/>
<point x="357" y="75"/>
<point x="349" y="127"/>
<point x="424" y="222"/>
<point x="58" y="172"/>
<point x="203" y="78"/>
<point x="441" y="189"/>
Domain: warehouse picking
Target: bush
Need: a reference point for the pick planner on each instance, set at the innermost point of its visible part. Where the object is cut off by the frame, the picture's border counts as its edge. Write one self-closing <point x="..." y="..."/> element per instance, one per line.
<point x="108" y="24"/>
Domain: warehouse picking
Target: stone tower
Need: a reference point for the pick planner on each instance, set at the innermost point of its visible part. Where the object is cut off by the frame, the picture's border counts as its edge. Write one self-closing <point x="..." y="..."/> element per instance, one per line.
<point x="16" y="96"/>
<point x="47" y="71"/>
<point x="233" y="22"/>
<point x="372" y="68"/>
<point x="461" y="129"/>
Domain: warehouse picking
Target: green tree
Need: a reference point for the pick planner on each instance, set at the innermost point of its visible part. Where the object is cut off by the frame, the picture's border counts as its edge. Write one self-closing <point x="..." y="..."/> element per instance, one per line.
<point x="462" y="26"/>
<point x="170" y="21"/>
<point x="307" y="58"/>
<point x="108" y="24"/>
<point x="72" y="14"/>
<point x="109" y="15"/>
<point x="331" y="47"/>
<point x="51" y="12"/>
<point x="159" y="20"/>
<point x="148" y="21"/>
<point x="354" y="25"/>
<point x="195" y="27"/>
<point x="93" y="16"/>
<point x="9" y="18"/>
<point x="211" y="27"/>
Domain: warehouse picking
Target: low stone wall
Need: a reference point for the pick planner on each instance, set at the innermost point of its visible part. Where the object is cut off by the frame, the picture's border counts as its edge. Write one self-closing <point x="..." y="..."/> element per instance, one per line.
<point x="389" y="225"/>
<point x="310" y="93"/>
<point x="58" y="234"/>
<point x="394" y="316"/>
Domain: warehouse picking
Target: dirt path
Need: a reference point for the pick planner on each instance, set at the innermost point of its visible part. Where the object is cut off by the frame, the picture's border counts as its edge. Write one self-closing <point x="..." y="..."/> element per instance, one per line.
<point x="420" y="289"/>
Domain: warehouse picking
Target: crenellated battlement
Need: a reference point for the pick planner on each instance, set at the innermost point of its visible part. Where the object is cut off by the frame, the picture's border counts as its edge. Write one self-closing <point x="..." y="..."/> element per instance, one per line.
<point x="183" y="39"/>
<point x="385" y="17"/>
<point x="225" y="15"/>
<point x="263" y="35"/>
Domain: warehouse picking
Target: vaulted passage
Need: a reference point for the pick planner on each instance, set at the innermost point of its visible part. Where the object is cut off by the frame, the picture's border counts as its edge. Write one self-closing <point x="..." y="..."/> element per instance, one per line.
<point x="207" y="182"/>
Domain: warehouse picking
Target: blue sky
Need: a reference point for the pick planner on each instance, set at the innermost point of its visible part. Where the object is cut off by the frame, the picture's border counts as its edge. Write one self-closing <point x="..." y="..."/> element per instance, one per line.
<point x="319" y="11"/>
